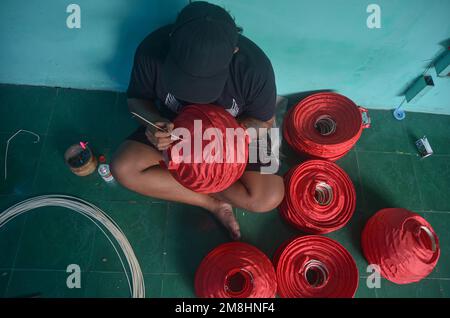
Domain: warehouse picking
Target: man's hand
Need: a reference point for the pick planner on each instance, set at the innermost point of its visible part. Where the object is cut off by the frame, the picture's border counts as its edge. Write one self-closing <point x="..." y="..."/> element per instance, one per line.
<point x="160" y="139"/>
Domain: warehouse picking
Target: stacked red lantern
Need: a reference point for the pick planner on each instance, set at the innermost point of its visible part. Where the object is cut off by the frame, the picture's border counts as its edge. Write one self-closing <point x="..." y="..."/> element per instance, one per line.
<point x="315" y="266"/>
<point x="235" y="270"/>
<point x="324" y="126"/>
<point x="319" y="197"/>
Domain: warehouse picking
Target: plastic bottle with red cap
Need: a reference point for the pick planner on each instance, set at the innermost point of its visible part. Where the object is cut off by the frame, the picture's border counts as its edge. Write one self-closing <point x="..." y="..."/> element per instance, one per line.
<point x="103" y="169"/>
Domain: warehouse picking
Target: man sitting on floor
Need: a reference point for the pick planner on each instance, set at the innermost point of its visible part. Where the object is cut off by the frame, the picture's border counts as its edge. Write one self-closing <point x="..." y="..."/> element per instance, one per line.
<point x="201" y="59"/>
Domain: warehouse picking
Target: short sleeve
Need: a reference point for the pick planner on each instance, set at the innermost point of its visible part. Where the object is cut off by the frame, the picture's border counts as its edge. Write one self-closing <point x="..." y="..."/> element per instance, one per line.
<point x="262" y="96"/>
<point x="143" y="74"/>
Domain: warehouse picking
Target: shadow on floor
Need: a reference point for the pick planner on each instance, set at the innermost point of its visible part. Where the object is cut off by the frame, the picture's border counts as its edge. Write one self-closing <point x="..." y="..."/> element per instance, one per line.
<point x="412" y="137"/>
<point x="445" y="44"/>
<point x="362" y="216"/>
<point x="295" y="98"/>
<point x="198" y="232"/>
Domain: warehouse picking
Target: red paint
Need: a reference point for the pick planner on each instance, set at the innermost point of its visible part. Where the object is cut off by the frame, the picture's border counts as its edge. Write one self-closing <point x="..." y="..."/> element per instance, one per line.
<point x="83" y="144"/>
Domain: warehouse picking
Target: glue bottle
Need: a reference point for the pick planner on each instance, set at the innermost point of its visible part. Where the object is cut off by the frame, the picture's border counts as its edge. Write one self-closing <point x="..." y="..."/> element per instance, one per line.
<point x="103" y="170"/>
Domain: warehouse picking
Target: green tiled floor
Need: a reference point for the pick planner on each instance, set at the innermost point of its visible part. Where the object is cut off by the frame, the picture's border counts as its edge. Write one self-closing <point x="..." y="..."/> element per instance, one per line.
<point x="170" y="239"/>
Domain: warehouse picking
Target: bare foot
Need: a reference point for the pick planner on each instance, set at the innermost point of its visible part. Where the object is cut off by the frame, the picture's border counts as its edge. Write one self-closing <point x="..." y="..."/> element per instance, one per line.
<point x="224" y="213"/>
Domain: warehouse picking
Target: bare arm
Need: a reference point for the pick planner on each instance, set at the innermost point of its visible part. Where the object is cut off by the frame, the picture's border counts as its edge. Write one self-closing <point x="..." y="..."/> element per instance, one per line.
<point x="250" y="122"/>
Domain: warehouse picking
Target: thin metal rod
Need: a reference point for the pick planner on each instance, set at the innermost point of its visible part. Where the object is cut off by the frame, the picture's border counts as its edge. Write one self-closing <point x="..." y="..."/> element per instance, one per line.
<point x="154" y="125"/>
<point x="7" y="146"/>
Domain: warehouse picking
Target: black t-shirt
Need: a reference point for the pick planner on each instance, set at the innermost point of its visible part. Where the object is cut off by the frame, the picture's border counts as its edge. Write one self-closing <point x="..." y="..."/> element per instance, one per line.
<point x="250" y="89"/>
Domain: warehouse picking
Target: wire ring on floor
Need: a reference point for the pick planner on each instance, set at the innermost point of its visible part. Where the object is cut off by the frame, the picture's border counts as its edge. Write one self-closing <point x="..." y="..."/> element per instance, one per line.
<point x="323" y="194"/>
<point x="430" y="236"/>
<point x="325" y="125"/>
<point x="98" y="217"/>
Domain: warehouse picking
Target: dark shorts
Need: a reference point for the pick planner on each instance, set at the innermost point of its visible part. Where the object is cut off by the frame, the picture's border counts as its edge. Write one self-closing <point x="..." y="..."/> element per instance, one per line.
<point x="139" y="136"/>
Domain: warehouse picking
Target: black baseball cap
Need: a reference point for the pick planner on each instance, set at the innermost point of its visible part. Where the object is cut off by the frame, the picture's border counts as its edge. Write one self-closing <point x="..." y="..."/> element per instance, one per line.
<point x="202" y="43"/>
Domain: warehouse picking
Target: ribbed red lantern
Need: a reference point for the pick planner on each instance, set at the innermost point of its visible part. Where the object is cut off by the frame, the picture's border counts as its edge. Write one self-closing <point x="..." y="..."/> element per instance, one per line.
<point x="235" y="270"/>
<point x="320" y="197"/>
<point x="324" y="126"/>
<point x="212" y="161"/>
<point x="402" y="244"/>
<point x="315" y="266"/>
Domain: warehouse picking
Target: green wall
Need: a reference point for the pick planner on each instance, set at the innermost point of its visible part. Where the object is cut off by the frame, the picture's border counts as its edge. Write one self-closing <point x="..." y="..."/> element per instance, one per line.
<point x="314" y="44"/>
<point x="38" y="48"/>
<point x="326" y="44"/>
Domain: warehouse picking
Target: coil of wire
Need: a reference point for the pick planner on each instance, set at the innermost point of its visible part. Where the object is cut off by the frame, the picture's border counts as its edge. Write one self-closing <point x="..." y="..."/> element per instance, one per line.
<point x="105" y="224"/>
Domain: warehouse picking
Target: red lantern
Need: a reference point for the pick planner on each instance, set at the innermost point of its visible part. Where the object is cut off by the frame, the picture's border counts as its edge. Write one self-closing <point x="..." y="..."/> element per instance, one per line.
<point x="235" y="270"/>
<point x="324" y="126"/>
<point x="320" y="197"/>
<point x="210" y="161"/>
<point x="402" y="244"/>
<point x="315" y="266"/>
